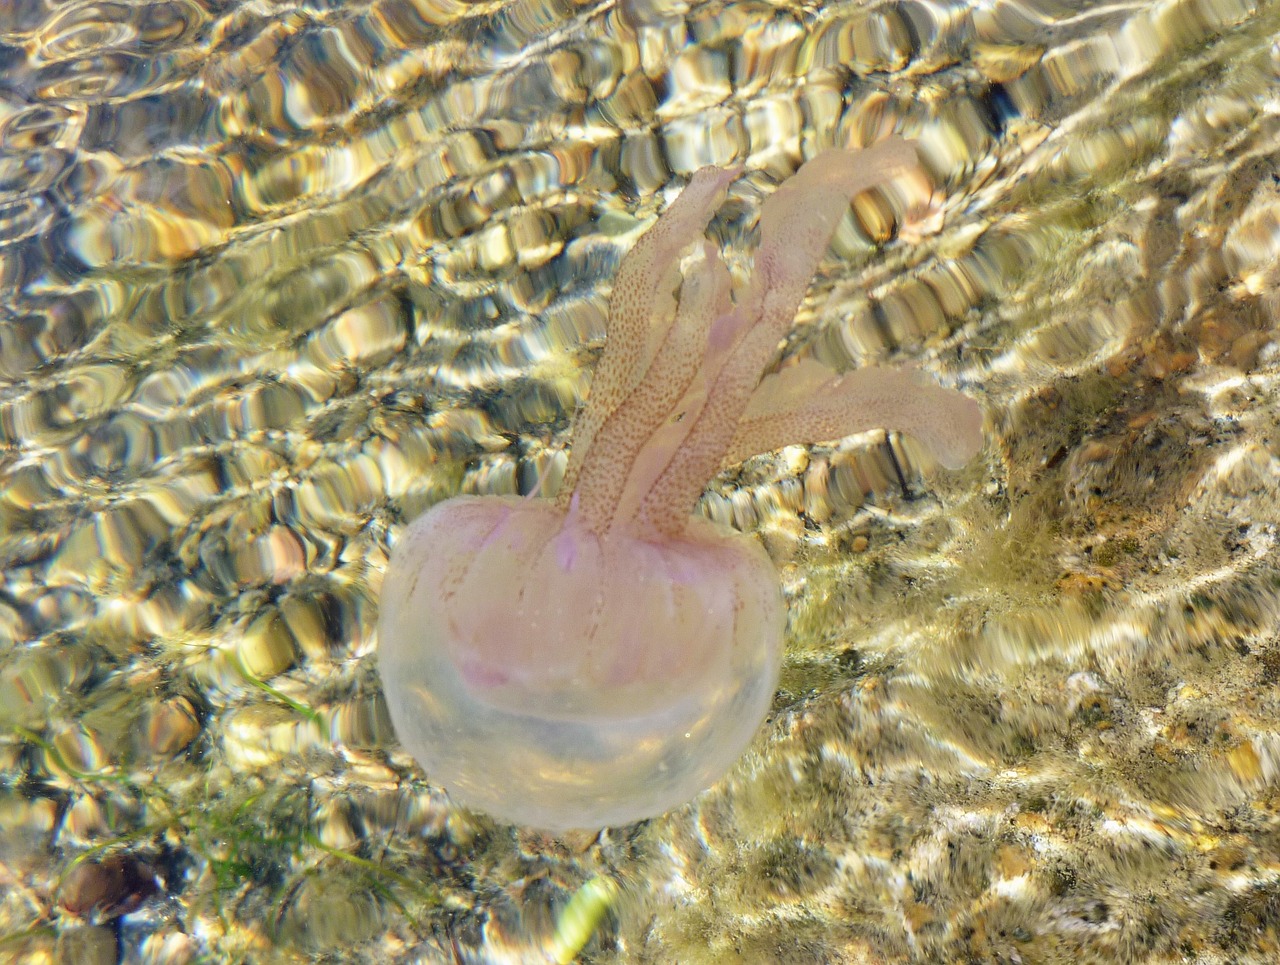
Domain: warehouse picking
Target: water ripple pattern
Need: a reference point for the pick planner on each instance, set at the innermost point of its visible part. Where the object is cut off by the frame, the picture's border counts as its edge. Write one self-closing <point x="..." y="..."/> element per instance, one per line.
<point x="277" y="276"/>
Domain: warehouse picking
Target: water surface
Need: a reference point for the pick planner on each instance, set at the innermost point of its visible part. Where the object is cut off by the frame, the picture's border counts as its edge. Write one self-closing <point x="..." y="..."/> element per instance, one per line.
<point x="274" y="277"/>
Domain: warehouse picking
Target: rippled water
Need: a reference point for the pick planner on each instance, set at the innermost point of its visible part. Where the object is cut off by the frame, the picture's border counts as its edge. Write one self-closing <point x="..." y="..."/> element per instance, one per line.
<point x="274" y="277"/>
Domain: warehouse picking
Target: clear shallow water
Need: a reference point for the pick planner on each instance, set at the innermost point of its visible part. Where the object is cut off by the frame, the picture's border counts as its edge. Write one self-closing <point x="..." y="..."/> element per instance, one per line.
<point x="276" y="277"/>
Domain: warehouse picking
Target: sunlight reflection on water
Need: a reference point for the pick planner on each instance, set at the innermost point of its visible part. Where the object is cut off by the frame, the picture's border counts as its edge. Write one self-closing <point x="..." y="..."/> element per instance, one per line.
<point x="274" y="278"/>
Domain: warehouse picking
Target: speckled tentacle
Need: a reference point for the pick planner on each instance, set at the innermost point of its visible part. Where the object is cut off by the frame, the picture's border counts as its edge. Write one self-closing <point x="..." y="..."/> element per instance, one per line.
<point x="809" y="403"/>
<point x="640" y="437"/>
<point x="796" y="225"/>
<point x="642" y="309"/>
